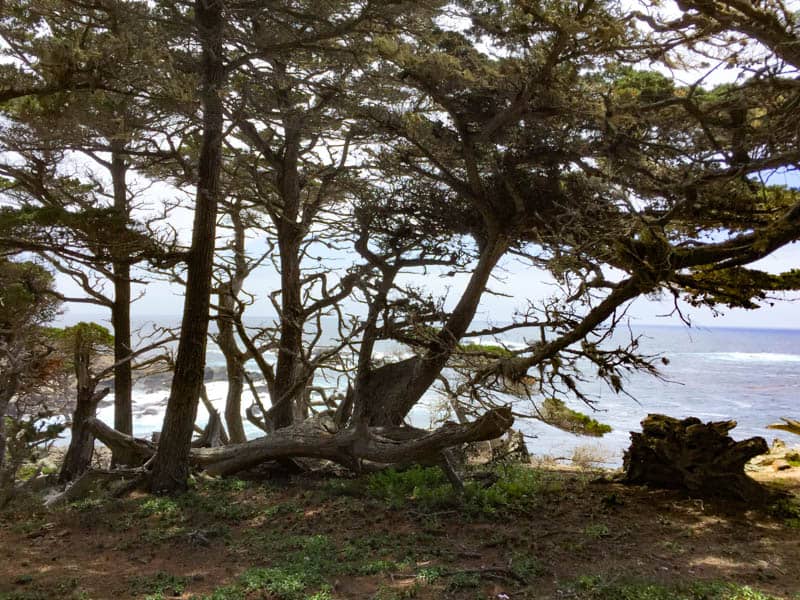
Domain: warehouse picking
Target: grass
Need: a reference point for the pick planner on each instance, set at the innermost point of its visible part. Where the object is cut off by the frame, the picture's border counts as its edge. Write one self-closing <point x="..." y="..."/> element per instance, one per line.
<point x="518" y="489"/>
<point x="787" y="509"/>
<point x="302" y="566"/>
<point x="402" y="532"/>
<point x="793" y="458"/>
<point x="158" y="584"/>
<point x="600" y="588"/>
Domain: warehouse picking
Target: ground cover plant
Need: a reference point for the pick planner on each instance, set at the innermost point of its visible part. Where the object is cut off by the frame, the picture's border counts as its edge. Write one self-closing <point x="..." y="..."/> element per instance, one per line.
<point x="521" y="531"/>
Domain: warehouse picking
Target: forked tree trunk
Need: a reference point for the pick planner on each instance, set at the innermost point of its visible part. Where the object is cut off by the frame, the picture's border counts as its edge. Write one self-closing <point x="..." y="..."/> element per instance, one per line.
<point x="384" y="396"/>
<point x="81" y="445"/>
<point x="698" y="457"/>
<point x="171" y="465"/>
<point x="78" y="458"/>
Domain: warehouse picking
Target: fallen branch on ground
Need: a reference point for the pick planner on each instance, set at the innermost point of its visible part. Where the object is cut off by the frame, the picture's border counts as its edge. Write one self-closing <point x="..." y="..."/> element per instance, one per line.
<point x="320" y="439"/>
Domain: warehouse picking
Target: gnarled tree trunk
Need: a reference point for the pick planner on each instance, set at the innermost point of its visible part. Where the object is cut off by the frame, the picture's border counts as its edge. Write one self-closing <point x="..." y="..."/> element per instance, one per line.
<point x="695" y="456"/>
<point x="81" y="446"/>
<point x="8" y="387"/>
<point x="321" y="439"/>
<point x="384" y="396"/>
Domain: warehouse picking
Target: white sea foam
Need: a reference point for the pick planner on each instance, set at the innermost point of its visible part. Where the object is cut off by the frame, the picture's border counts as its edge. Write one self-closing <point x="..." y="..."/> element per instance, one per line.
<point x="770" y="357"/>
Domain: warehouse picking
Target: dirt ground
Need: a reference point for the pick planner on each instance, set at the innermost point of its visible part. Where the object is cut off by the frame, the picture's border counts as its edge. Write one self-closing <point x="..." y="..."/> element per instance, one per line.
<point x="321" y="539"/>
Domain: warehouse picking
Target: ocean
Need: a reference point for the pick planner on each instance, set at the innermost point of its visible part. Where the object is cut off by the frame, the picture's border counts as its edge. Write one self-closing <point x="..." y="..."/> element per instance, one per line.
<point x="748" y="375"/>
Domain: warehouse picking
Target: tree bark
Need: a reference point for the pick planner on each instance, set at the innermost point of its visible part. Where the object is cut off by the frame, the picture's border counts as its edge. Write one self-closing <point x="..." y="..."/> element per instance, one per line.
<point x="78" y="458"/>
<point x="234" y="366"/>
<point x="121" y="313"/>
<point x="6" y="393"/>
<point x="81" y="445"/>
<point x="384" y="396"/>
<point x="171" y="465"/>
<point x="320" y="439"/>
<point x="287" y="404"/>
<point x="212" y="436"/>
<point x="234" y="358"/>
<point x="688" y="454"/>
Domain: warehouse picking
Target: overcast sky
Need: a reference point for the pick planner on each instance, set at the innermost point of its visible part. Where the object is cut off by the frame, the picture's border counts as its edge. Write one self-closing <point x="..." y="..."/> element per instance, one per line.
<point x="516" y="283"/>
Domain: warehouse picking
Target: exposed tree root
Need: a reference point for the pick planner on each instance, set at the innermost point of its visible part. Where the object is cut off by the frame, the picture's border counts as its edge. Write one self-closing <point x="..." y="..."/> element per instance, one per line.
<point x="698" y="457"/>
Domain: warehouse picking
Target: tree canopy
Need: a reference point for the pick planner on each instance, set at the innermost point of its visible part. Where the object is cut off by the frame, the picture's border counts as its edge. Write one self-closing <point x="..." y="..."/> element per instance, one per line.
<point x="354" y="146"/>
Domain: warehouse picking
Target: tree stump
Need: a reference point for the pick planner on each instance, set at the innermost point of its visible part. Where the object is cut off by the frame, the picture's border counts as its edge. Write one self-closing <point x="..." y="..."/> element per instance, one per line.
<point x="699" y="458"/>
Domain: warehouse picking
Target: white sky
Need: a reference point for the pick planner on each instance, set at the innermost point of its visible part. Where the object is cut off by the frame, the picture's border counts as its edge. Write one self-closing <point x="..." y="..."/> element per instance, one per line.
<point x="162" y="300"/>
<point x="518" y="283"/>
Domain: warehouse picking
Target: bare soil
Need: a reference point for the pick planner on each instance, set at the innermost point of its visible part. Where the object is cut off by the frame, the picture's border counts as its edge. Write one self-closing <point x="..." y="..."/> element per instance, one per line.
<point x="576" y="533"/>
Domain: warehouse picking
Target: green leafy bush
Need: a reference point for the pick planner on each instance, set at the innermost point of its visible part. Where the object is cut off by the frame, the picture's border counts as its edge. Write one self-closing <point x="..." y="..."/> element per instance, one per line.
<point x="554" y="412"/>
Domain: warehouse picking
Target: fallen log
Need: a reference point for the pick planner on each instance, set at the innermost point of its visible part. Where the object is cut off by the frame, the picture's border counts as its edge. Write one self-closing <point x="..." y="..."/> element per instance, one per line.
<point x="698" y="457"/>
<point x="319" y="438"/>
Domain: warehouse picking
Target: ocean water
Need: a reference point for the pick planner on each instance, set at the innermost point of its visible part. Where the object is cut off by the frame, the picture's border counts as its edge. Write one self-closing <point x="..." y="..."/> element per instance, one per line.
<point x="748" y="375"/>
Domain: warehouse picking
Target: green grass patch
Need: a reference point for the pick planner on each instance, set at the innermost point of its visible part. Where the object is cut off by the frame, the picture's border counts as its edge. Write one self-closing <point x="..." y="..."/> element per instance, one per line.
<point x="599" y="588"/>
<point x="160" y="583"/>
<point x="426" y="489"/>
<point x="302" y="566"/>
<point x="787" y="509"/>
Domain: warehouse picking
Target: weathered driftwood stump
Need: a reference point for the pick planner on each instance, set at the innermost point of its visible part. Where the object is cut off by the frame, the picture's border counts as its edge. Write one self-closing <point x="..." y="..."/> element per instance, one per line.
<point x="695" y="456"/>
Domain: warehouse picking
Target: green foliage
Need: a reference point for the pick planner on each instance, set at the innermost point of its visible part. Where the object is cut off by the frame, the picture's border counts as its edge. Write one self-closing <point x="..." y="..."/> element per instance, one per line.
<point x="159" y="583"/>
<point x="787" y="509"/>
<point x="517" y="489"/>
<point x="92" y="337"/>
<point x="793" y="458"/>
<point x="486" y="349"/>
<point x="25" y="295"/>
<point x="428" y="575"/>
<point x="463" y="581"/>
<point x="425" y="486"/>
<point x="554" y="412"/>
<point x="597" y="530"/>
<point x="300" y="571"/>
<point x="643" y="86"/>
<point x="597" y="588"/>
<point x="527" y="567"/>
<point x="738" y="286"/>
<point x="213" y="504"/>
